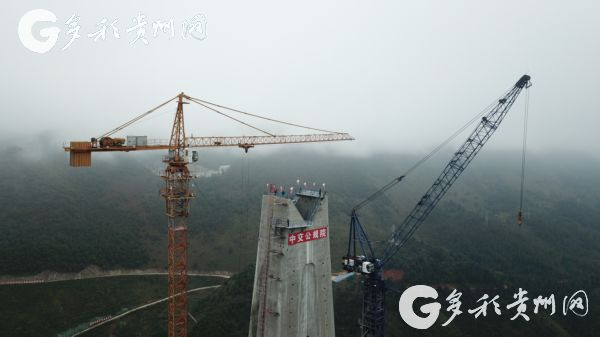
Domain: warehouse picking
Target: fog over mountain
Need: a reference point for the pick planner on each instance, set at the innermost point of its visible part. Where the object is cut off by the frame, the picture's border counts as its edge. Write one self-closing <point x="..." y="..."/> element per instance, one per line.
<point x="396" y="75"/>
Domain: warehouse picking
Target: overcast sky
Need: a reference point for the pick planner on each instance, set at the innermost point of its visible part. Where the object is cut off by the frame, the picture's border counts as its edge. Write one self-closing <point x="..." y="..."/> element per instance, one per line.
<point x="397" y="75"/>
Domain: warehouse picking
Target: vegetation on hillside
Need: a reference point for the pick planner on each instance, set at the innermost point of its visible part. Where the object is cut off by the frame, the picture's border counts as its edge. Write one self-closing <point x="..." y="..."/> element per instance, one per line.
<point x="54" y="217"/>
<point x="48" y="309"/>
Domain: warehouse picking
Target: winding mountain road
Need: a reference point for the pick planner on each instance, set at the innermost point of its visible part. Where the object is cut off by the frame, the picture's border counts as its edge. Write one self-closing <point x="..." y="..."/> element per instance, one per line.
<point x="139" y="308"/>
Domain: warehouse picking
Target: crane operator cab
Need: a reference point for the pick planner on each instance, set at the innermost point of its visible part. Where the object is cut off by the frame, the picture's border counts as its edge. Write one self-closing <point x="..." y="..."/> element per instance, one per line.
<point x="359" y="264"/>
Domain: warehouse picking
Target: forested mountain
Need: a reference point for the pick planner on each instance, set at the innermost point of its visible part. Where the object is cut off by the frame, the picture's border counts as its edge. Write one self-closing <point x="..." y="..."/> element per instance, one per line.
<point x="54" y="217"/>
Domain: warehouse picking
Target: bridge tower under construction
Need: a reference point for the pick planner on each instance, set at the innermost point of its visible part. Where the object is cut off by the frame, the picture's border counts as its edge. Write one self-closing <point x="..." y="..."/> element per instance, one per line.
<point x="292" y="284"/>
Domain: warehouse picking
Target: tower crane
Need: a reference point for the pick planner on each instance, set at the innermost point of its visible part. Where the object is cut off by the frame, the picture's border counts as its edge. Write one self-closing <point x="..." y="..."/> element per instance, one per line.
<point x="360" y="257"/>
<point x="177" y="192"/>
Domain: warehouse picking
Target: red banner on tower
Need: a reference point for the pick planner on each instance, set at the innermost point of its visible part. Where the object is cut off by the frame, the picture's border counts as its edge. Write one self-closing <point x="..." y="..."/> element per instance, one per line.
<point x="307" y="235"/>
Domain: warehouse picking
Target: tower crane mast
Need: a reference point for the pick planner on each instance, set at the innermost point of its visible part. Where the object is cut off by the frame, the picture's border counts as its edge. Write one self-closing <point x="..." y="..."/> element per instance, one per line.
<point x="366" y="263"/>
<point x="177" y="190"/>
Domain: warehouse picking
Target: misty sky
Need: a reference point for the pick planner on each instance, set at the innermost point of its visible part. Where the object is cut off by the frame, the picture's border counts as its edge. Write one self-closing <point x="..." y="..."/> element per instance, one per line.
<point x="398" y="75"/>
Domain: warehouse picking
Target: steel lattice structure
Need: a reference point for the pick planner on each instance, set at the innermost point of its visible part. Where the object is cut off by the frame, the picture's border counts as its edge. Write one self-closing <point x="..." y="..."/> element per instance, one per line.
<point x="177" y="194"/>
<point x="177" y="191"/>
<point x="371" y="267"/>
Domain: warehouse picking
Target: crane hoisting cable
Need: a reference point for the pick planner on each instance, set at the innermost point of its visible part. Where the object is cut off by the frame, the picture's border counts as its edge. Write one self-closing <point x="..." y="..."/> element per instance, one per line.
<point x="520" y="219"/>
<point x="398" y="179"/>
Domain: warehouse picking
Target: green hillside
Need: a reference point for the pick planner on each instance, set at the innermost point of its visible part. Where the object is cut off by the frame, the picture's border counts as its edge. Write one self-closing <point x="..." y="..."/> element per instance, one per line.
<point x="54" y="217"/>
<point x="66" y="307"/>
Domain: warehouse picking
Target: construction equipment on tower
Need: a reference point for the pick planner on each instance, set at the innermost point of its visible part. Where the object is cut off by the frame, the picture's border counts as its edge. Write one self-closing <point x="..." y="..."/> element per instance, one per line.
<point x="177" y="191"/>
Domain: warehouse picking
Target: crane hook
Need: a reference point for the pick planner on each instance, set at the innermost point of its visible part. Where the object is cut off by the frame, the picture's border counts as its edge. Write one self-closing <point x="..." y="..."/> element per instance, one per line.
<point x="520" y="218"/>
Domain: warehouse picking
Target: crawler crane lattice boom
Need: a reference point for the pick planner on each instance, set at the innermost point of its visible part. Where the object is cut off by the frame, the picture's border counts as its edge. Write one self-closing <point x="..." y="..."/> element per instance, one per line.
<point x="360" y="257"/>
